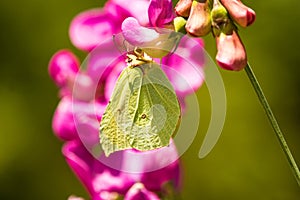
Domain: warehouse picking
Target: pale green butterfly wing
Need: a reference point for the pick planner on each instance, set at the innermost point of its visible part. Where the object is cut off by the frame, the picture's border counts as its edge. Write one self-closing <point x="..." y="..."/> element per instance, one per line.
<point x="117" y="119"/>
<point x="157" y="112"/>
<point x="143" y="112"/>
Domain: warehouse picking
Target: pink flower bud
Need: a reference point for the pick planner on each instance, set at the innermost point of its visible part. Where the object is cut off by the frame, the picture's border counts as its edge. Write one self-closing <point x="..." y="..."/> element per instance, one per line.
<point x="231" y="51"/>
<point x="199" y="21"/>
<point x="241" y="14"/>
<point x="183" y="8"/>
<point x="63" y="66"/>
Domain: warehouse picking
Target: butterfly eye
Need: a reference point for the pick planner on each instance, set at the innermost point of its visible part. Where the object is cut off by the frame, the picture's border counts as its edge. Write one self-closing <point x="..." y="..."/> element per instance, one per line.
<point x="138" y="52"/>
<point x="128" y="60"/>
<point x="143" y="116"/>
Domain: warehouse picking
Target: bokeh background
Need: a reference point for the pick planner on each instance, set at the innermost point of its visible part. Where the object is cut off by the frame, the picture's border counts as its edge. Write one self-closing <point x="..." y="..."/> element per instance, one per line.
<point x="247" y="162"/>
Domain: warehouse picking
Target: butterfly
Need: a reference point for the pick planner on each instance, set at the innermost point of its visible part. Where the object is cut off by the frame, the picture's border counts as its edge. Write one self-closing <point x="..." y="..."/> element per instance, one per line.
<point x="143" y="112"/>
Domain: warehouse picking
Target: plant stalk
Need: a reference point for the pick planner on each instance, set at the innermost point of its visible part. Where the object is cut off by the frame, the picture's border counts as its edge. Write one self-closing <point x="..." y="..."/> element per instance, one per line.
<point x="273" y="121"/>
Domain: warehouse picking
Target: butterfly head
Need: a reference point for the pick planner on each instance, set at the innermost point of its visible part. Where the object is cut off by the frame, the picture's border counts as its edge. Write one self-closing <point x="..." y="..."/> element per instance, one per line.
<point x="137" y="57"/>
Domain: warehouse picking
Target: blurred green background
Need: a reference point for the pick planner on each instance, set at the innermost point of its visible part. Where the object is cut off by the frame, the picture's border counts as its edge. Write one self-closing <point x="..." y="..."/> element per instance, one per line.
<point x="247" y="162"/>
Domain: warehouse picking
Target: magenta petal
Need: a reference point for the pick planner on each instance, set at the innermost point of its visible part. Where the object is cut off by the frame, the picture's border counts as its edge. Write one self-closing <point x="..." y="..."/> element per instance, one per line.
<point x="155" y="179"/>
<point x="102" y="59"/>
<point x="121" y="9"/>
<point x="91" y="27"/>
<point x="160" y="13"/>
<point x="153" y="168"/>
<point x="84" y="88"/>
<point x="96" y="176"/>
<point x="135" y="34"/>
<point x="81" y="162"/>
<point x="63" y="66"/>
<point x="63" y="121"/>
<point x="139" y="192"/>
<point x="184" y="67"/>
<point x="86" y="119"/>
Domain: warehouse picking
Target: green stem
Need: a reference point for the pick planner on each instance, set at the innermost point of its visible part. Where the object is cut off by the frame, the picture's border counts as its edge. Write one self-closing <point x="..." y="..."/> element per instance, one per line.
<point x="273" y="122"/>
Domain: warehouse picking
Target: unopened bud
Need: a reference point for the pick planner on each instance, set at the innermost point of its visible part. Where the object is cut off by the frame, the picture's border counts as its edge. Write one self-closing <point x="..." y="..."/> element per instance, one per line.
<point x="63" y="66"/>
<point x="220" y="18"/>
<point x="231" y="51"/>
<point x="179" y="24"/>
<point x="183" y="7"/>
<point x="199" y="21"/>
<point x="241" y="14"/>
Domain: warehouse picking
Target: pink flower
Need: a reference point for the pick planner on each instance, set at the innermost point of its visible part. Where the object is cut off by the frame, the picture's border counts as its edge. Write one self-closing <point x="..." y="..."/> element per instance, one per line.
<point x="91" y="27"/>
<point x="231" y="51"/>
<point x="63" y="121"/>
<point x="117" y="174"/>
<point x="86" y="92"/>
<point x="183" y="7"/>
<point x="160" y="13"/>
<point x="241" y="14"/>
<point x="184" y="67"/>
<point x="199" y="21"/>
<point x="63" y="66"/>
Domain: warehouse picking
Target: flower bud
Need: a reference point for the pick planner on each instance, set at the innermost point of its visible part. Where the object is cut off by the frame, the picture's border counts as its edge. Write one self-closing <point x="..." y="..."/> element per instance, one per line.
<point x="241" y="14"/>
<point x="199" y="21"/>
<point x="231" y="51"/>
<point x="183" y="7"/>
<point x="179" y="24"/>
<point x="220" y="19"/>
<point x="62" y="66"/>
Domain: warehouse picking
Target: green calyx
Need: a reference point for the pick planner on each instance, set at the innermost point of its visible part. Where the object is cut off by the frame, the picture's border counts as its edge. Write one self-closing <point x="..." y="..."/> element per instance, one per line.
<point x="221" y="21"/>
<point x="179" y="24"/>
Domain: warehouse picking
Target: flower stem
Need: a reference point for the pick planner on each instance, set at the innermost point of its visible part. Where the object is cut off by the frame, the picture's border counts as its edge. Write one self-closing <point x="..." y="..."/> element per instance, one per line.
<point x="273" y="122"/>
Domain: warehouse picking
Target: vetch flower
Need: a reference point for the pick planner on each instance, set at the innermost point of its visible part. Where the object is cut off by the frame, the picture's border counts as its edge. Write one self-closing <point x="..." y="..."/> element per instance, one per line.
<point x="219" y="16"/>
<point x="91" y="27"/>
<point x="117" y="174"/>
<point x="161" y="14"/>
<point x="199" y="21"/>
<point x="241" y="14"/>
<point x="183" y="8"/>
<point x="231" y="53"/>
<point x="184" y="66"/>
<point x="63" y="67"/>
<point x="85" y="93"/>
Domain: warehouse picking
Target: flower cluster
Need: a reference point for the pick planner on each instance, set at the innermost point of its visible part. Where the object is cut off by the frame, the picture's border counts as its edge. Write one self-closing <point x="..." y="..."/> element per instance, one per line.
<point x="85" y="93"/>
<point x="204" y="16"/>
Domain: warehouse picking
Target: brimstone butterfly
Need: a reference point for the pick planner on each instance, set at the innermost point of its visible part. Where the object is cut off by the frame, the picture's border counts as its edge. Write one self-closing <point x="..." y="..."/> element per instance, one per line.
<point x="143" y="112"/>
